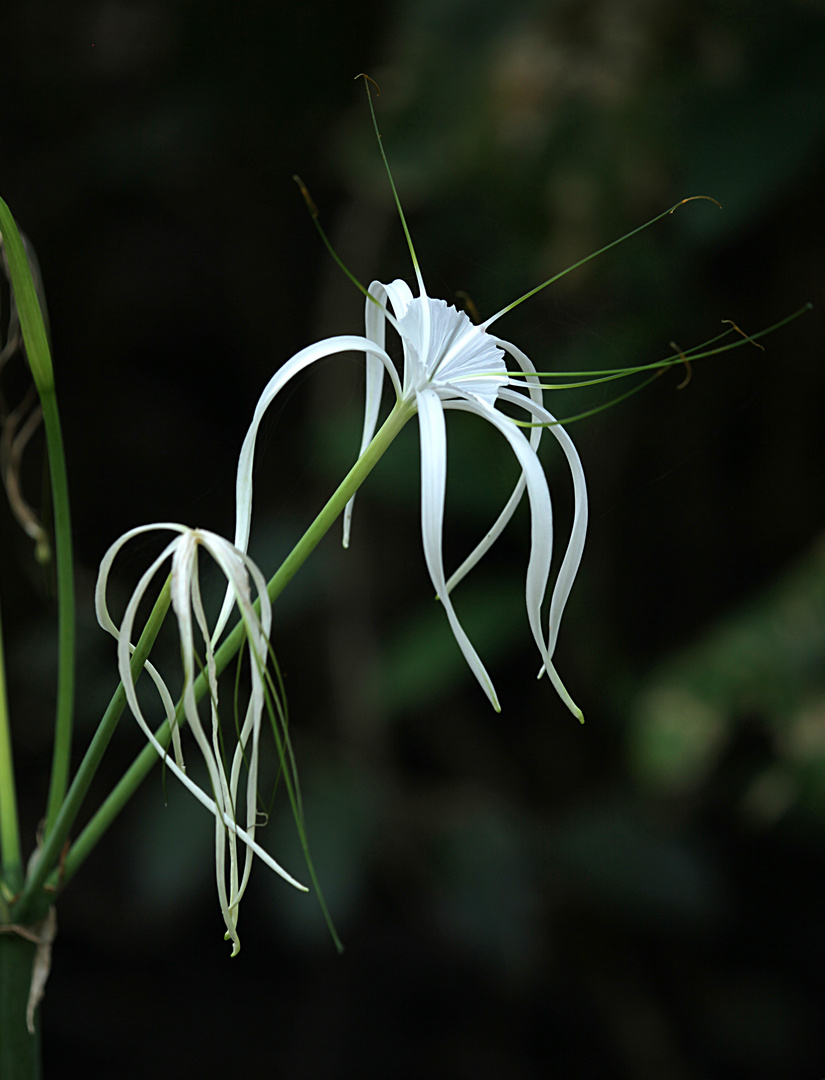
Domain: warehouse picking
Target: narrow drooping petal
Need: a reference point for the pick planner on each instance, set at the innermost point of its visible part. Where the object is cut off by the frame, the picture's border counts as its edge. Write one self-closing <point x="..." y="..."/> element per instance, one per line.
<point x="375" y="321"/>
<point x="105" y="621"/>
<point x="541" y="539"/>
<point x="573" y="554"/>
<point x="187" y="605"/>
<point x="501" y="522"/>
<point x="238" y="568"/>
<point x="541" y="515"/>
<point x="433" y="490"/>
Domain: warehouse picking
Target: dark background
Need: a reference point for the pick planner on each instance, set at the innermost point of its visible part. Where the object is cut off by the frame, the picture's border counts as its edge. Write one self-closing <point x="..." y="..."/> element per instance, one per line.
<point x="519" y="896"/>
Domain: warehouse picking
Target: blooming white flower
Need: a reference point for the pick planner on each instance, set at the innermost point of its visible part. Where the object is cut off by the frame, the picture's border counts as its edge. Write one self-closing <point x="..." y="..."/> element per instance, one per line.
<point x="187" y="604"/>
<point x="450" y="363"/>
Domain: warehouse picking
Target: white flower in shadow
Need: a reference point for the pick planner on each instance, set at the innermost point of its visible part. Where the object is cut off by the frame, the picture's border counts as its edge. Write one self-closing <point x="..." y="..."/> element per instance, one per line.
<point x="241" y="573"/>
<point x="450" y="363"/>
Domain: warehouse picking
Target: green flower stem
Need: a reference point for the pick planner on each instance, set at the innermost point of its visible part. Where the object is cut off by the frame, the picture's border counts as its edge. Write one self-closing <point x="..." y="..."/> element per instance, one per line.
<point x="19" y="1051"/>
<point x="33" y="901"/>
<point x="148" y="757"/>
<point x="12" y="862"/>
<point x="401" y="413"/>
<point x="40" y="362"/>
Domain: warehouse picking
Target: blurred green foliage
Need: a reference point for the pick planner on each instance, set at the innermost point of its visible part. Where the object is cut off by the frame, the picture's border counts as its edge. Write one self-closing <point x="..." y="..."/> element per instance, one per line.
<point x="764" y="665"/>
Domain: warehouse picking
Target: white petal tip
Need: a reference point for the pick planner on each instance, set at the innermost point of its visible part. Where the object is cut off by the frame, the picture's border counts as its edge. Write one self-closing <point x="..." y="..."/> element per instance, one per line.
<point x="492" y="696"/>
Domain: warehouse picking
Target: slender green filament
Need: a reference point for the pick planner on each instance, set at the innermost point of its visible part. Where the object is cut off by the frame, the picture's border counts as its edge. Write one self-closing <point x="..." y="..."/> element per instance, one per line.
<point x="593" y="255"/>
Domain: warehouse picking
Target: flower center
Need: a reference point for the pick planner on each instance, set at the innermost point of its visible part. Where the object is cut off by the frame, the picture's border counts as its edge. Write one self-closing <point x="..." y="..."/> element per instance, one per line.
<point x="452" y="356"/>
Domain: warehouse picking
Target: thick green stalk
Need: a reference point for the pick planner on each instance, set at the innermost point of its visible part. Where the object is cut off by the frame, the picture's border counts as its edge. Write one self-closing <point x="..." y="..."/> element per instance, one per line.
<point x="19" y="1049"/>
<point x="40" y="362"/>
<point x="148" y="757"/>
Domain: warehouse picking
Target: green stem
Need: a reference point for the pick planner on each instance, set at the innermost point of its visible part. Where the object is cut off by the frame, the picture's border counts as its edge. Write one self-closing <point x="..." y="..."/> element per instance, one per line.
<point x="61" y="754"/>
<point x="33" y="901"/>
<point x="40" y="362"/>
<point x="143" y="763"/>
<point x="399" y="416"/>
<point x="19" y="1050"/>
<point x="12" y="861"/>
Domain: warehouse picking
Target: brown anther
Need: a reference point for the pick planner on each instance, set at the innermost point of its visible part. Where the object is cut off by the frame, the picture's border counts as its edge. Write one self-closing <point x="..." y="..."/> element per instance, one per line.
<point x="747" y="337"/>
<point x="691" y="198"/>
<point x="469" y="305"/>
<point x="686" y="362"/>
<point x="313" y="209"/>
<point x="363" y="75"/>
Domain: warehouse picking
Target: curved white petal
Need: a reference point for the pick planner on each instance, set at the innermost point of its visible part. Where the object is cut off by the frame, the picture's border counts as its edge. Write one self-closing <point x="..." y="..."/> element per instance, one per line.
<point x="238" y="568"/>
<point x="227" y="799"/>
<point x="375" y="323"/>
<point x="301" y="360"/>
<point x="575" y="546"/>
<point x="105" y="621"/>
<point x="536" y="394"/>
<point x="541" y="524"/>
<point x="400" y="297"/>
<point x="538" y="567"/>
<point x="433" y="490"/>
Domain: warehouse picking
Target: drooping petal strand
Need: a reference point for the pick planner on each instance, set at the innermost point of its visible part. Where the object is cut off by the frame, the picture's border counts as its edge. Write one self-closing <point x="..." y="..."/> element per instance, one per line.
<point x="433" y="490"/>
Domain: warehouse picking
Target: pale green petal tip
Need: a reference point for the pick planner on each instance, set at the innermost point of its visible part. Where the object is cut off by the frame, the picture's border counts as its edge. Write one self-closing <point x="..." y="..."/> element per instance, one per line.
<point x="572" y="706"/>
<point x="563" y="694"/>
<point x="236" y="945"/>
<point x="489" y="690"/>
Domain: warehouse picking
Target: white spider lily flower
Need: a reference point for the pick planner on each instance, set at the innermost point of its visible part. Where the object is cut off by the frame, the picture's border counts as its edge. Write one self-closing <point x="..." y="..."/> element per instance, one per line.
<point x="187" y="605"/>
<point x="449" y="363"/>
